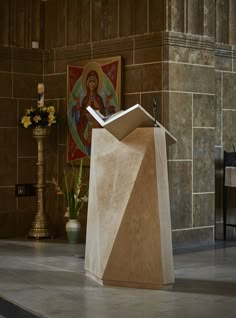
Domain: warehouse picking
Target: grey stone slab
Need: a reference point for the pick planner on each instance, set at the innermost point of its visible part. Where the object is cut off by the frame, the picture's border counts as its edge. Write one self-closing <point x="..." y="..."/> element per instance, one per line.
<point x="229" y="92"/>
<point x="203" y="209"/>
<point x="208" y="291"/>
<point x="9" y="309"/>
<point x="223" y="63"/>
<point x="176" y="15"/>
<point x="195" y="16"/>
<point x="203" y="160"/>
<point x="204" y="114"/>
<point x="180" y="186"/>
<point x="218" y="107"/>
<point x="222" y="17"/>
<point x="223" y="57"/>
<point x="193" y="237"/>
<point x="195" y="55"/>
<point x="191" y="78"/>
<point x="144" y="78"/>
<point x="177" y="118"/>
<point x="209" y="18"/>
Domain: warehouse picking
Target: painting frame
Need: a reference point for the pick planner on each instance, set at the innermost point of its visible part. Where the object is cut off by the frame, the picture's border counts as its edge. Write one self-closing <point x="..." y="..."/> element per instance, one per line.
<point x="95" y="83"/>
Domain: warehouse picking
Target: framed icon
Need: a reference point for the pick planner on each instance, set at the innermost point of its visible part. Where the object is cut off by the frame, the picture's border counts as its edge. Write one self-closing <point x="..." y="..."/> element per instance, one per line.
<point x="93" y="83"/>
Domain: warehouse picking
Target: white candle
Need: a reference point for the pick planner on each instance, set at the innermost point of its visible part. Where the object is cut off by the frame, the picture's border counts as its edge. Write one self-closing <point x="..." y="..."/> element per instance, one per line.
<point x="35" y="44"/>
<point x="40" y="94"/>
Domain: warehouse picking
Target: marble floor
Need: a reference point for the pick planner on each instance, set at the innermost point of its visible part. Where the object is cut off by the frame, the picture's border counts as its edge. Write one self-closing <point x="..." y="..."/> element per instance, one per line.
<point x="47" y="279"/>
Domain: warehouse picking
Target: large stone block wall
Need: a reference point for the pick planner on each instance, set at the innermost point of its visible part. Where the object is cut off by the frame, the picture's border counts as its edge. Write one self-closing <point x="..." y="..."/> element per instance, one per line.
<point x="225" y="130"/>
<point x="20" y="71"/>
<point x="180" y="52"/>
<point x="189" y="113"/>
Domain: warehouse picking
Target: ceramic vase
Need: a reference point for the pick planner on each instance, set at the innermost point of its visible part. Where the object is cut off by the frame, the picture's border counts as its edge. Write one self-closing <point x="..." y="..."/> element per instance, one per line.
<point x="73" y="231"/>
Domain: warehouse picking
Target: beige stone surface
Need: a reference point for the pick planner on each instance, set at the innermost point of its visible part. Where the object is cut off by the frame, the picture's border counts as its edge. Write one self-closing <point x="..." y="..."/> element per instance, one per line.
<point x="128" y="230"/>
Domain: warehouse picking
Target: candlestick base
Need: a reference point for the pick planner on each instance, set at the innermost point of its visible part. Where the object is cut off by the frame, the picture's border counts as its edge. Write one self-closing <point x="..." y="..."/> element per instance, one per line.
<point x="39" y="228"/>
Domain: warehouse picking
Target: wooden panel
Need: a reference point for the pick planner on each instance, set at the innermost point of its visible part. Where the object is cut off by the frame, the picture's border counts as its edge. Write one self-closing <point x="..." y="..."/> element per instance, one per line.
<point x="35" y="20"/>
<point x="104" y="19"/>
<point x="140" y="16"/>
<point x="19" y="23"/>
<point x="54" y="23"/>
<point x="73" y="22"/>
<point x="132" y="17"/>
<point x="78" y="21"/>
<point x="4" y="22"/>
<point x="125" y="18"/>
<point x="85" y="19"/>
<point x="156" y="15"/>
<point x="60" y="23"/>
<point x="50" y="24"/>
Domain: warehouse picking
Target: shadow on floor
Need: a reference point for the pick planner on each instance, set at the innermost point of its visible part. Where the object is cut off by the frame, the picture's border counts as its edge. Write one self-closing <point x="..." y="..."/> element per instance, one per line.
<point x="205" y="287"/>
<point x="10" y="310"/>
<point x="191" y="248"/>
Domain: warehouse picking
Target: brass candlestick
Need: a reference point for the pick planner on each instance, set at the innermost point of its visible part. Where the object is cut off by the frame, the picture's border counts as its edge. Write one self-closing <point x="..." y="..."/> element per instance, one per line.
<point x="39" y="228"/>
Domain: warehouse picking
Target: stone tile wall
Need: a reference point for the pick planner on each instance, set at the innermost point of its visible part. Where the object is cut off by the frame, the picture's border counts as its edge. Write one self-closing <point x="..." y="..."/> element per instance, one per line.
<point x="225" y="132"/>
<point x="179" y="52"/>
<point x="20" y="71"/>
<point x="189" y="113"/>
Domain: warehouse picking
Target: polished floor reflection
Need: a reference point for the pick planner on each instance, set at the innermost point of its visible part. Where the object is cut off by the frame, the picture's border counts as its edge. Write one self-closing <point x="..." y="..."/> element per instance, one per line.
<point x="47" y="279"/>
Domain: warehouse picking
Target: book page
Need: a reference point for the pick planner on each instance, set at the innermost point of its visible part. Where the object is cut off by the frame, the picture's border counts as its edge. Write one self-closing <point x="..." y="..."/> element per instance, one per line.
<point x="122" y="123"/>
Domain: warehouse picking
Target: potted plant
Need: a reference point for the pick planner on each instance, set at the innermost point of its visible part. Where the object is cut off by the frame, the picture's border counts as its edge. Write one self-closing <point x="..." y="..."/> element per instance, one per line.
<point x="75" y="193"/>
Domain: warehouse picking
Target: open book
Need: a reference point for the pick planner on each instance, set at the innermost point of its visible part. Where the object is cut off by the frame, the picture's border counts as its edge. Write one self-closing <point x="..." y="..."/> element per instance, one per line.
<point x="122" y="123"/>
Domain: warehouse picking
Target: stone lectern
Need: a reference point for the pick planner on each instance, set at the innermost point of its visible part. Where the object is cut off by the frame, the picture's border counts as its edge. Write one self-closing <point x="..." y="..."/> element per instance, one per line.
<point x="128" y="239"/>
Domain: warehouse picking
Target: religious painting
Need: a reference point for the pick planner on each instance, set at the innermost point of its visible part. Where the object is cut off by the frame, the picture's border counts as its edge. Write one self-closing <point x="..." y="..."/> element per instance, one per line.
<point x="93" y="83"/>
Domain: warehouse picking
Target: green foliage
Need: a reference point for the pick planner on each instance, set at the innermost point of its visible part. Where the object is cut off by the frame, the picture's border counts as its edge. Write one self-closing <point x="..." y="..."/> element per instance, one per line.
<point x="73" y="190"/>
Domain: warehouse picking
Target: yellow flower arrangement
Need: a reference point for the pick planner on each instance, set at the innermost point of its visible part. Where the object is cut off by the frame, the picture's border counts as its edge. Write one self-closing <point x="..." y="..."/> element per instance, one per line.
<point x="44" y="116"/>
